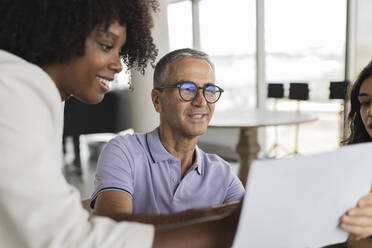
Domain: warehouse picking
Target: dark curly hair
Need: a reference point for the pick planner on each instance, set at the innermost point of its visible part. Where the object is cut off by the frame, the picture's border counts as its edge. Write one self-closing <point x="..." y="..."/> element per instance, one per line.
<point x="358" y="132"/>
<point x="52" y="31"/>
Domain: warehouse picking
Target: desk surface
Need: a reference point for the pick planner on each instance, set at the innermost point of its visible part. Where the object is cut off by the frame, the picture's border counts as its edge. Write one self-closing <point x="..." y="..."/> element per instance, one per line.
<point x="258" y="118"/>
<point x="248" y="121"/>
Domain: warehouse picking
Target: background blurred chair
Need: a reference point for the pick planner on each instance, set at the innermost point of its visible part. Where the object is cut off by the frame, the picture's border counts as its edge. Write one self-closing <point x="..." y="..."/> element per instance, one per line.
<point x="275" y="91"/>
<point x="298" y="91"/>
<point x="337" y="91"/>
<point x="112" y="115"/>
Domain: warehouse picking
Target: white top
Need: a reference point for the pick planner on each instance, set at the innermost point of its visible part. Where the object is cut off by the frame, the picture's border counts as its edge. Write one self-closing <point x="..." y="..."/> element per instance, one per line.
<point x="38" y="208"/>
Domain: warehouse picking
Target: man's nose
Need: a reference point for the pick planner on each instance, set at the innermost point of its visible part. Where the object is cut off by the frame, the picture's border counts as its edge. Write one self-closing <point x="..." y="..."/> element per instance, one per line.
<point x="199" y="99"/>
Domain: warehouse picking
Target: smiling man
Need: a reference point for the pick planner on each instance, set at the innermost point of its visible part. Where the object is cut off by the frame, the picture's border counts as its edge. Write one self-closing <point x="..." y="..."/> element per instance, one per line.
<point x="164" y="171"/>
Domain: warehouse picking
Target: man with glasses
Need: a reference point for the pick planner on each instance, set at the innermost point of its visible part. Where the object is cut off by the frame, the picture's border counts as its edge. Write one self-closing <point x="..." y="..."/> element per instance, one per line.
<point x="163" y="171"/>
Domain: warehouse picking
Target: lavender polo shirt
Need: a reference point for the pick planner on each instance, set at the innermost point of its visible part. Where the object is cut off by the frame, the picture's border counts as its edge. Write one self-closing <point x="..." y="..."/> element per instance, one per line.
<point x="140" y="166"/>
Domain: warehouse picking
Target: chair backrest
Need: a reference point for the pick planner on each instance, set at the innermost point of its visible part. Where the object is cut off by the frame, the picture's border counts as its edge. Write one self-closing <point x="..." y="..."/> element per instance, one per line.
<point x="299" y="91"/>
<point x="275" y="90"/>
<point x="337" y="90"/>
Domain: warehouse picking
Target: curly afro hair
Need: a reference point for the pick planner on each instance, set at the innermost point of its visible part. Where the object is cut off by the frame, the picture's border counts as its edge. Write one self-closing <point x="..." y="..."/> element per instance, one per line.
<point x="52" y="31"/>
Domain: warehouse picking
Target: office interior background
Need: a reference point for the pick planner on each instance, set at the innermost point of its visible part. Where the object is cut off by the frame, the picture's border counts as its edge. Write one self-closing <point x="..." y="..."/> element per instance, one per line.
<point x="256" y="42"/>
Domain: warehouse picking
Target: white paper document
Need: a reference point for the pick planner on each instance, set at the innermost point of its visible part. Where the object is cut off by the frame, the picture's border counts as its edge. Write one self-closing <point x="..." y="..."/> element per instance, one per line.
<point x="297" y="202"/>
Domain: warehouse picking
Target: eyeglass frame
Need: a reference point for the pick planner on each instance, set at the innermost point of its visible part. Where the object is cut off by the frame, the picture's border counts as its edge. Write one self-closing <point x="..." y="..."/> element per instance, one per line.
<point x="178" y="85"/>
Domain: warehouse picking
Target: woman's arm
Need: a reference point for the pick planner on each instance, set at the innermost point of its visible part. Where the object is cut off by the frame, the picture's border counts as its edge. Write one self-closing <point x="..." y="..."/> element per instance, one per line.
<point x="185" y="216"/>
<point x="204" y="233"/>
<point x="364" y="243"/>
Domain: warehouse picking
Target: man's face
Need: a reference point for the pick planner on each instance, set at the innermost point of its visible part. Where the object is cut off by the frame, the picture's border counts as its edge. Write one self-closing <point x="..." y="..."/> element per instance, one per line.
<point x="186" y="119"/>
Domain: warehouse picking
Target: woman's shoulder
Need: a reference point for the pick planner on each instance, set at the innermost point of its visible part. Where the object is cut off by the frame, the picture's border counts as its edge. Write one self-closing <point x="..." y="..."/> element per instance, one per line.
<point x="13" y="64"/>
<point x="17" y="73"/>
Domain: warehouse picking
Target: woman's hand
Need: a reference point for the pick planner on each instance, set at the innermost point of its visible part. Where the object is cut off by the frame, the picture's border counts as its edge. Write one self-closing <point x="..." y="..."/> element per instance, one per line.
<point x="358" y="220"/>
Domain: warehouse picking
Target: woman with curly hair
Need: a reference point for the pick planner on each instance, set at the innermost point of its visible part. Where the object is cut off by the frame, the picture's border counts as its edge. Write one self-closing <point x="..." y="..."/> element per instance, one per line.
<point x="50" y="50"/>
<point x="358" y="220"/>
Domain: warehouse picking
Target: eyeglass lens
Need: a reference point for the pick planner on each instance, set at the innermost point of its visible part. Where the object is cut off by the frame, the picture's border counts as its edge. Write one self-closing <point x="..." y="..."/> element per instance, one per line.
<point x="188" y="92"/>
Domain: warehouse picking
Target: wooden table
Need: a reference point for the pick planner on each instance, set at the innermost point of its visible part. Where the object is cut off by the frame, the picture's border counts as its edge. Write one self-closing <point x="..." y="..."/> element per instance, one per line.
<point x="248" y="121"/>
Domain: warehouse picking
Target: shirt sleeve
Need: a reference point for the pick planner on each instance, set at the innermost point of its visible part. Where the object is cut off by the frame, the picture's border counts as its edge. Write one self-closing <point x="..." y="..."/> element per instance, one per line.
<point x="114" y="169"/>
<point x="38" y="208"/>
<point x="235" y="189"/>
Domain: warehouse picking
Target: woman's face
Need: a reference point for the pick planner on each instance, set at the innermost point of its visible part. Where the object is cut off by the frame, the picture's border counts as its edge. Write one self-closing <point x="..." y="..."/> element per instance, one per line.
<point x="89" y="77"/>
<point x="365" y="99"/>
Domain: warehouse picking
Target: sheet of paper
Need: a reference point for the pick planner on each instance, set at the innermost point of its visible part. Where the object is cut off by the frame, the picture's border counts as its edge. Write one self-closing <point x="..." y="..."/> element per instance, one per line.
<point x="297" y="202"/>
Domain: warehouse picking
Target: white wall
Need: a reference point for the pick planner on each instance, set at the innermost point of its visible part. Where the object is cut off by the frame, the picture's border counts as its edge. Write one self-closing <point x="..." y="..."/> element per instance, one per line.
<point x="144" y="117"/>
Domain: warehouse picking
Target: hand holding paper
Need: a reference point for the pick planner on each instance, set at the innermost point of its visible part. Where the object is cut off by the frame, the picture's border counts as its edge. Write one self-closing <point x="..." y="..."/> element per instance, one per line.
<point x="358" y="220"/>
<point x="298" y="202"/>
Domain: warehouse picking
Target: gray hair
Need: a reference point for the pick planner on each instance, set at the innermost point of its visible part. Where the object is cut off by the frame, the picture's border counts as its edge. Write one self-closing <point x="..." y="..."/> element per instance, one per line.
<point x="161" y="68"/>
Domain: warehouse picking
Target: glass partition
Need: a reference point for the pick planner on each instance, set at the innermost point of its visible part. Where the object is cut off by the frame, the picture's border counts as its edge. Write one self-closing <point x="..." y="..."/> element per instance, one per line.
<point x="305" y="41"/>
<point x="180" y="25"/>
<point x="227" y="33"/>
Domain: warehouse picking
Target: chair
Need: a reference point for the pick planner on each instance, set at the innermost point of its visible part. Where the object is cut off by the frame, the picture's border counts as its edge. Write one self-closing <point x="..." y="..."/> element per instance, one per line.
<point x="298" y="91"/>
<point x="112" y="115"/>
<point x="337" y="91"/>
<point x="275" y="91"/>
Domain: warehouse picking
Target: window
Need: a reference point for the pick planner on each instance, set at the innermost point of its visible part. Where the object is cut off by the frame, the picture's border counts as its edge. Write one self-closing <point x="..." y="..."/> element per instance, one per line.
<point x="305" y="41"/>
<point x="227" y="34"/>
<point x="180" y="25"/>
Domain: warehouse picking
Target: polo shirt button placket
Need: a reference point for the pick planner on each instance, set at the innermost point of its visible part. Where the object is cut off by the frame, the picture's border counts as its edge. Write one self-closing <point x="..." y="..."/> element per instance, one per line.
<point x="172" y="174"/>
<point x="176" y="170"/>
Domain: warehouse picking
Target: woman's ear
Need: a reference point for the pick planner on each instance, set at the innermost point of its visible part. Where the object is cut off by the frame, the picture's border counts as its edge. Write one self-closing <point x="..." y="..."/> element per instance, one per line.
<point x="155" y="96"/>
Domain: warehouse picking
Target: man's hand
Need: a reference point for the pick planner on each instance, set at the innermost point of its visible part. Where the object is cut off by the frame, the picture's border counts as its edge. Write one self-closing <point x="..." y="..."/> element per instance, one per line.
<point x="358" y="220"/>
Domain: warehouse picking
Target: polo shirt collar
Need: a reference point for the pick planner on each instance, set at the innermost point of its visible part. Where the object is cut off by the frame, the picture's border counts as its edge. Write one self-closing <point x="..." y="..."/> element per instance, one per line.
<point x="159" y="153"/>
<point x="156" y="148"/>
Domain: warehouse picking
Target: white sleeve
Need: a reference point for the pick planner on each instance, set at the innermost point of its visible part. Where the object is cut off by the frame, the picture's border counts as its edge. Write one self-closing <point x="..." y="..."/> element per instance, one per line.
<point x="38" y="208"/>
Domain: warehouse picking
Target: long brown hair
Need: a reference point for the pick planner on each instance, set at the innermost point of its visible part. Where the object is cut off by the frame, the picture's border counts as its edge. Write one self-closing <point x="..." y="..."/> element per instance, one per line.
<point x="358" y="132"/>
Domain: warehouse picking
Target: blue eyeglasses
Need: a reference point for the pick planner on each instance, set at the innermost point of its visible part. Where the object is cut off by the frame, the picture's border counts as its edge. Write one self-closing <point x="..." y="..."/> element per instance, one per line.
<point x="189" y="91"/>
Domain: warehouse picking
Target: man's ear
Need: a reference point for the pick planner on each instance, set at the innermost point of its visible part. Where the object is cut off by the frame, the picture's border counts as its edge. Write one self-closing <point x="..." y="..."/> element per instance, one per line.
<point x="155" y="96"/>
